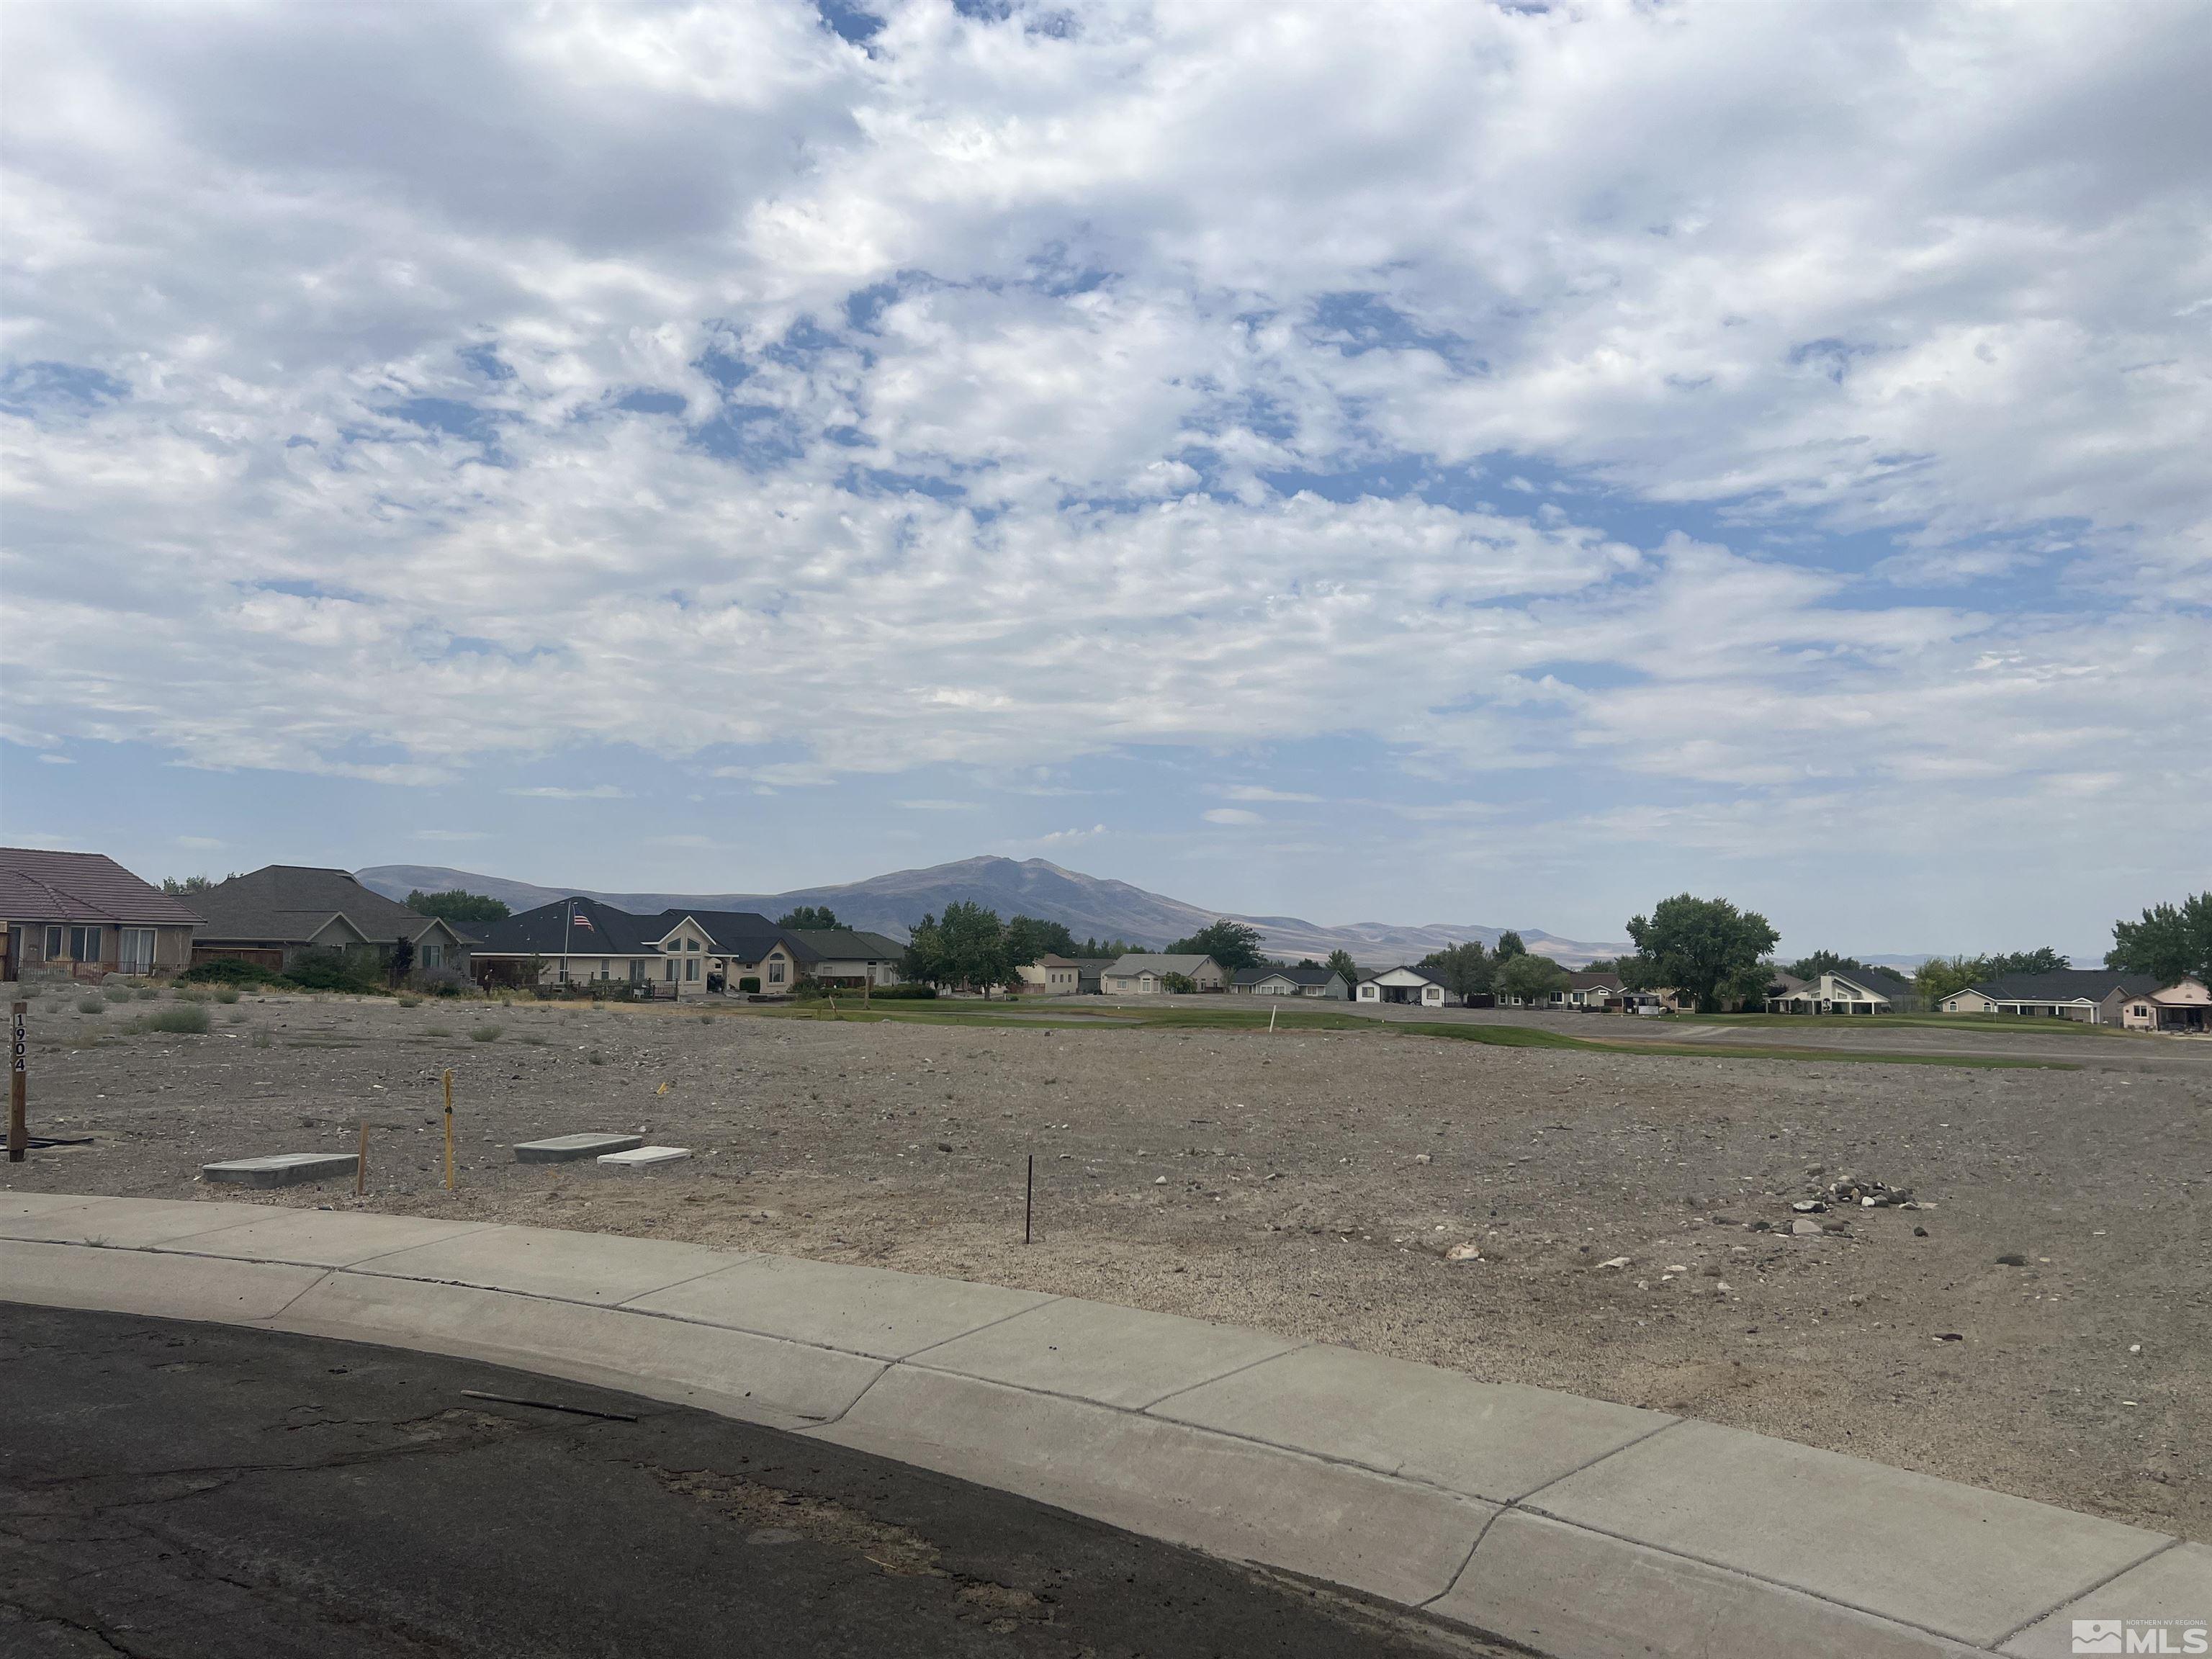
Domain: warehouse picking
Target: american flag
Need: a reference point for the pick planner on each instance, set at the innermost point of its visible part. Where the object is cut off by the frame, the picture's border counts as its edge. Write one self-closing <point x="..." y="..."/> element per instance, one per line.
<point x="580" y="918"/>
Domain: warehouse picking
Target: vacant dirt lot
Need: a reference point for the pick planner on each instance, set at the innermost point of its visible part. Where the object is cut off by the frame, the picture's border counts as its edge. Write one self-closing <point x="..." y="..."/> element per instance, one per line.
<point x="1313" y="1183"/>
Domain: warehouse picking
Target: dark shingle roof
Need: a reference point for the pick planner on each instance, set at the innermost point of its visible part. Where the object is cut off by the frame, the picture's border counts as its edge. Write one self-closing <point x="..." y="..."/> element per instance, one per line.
<point x="1295" y="976"/>
<point x="740" y="935"/>
<point x="1879" y="980"/>
<point x="288" y="903"/>
<point x="577" y="927"/>
<point x="841" y="944"/>
<point x="38" y="885"/>
<point x="1590" y="981"/>
<point x="2094" y="984"/>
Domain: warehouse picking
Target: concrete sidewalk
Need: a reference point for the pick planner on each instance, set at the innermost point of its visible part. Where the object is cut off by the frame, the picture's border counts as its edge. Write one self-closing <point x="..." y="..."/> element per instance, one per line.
<point x="1572" y="1526"/>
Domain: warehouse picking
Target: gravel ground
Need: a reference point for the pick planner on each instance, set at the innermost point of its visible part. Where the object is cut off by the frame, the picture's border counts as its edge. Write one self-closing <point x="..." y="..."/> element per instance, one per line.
<point x="1313" y="1184"/>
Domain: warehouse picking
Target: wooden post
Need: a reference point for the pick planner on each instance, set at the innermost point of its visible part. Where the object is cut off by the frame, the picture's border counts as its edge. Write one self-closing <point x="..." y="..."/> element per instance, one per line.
<point x="19" y="1129"/>
<point x="1272" y="1012"/>
<point x="1029" y="1199"/>
<point x="449" y="1131"/>
<point x="361" y="1163"/>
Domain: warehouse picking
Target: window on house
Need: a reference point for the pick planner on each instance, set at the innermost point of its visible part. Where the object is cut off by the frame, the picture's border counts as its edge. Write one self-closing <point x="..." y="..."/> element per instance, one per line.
<point x="561" y="972"/>
<point x="691" y="968"/>
<point x="668" y="971"/>
<point x="84" y="944"/>
<point x="775" y="971"/>
<point x="53" y="944"/>
<point x="434" y="956"/>
<point x="134" y="949"/>
<point x="690" y="944"/>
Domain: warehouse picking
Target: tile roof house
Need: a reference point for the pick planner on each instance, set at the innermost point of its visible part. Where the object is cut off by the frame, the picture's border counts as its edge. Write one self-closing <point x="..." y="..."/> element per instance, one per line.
<point x="571" y="941"/>
<point x="680" y="953"/>
<point x="846" y="957"/>
<point x="2094" y="996"/>
<point x="1144" y="974"/>
<point x="83" y="914"/>
<point x="1289" y="983"/>
<point x="282" y="912"/>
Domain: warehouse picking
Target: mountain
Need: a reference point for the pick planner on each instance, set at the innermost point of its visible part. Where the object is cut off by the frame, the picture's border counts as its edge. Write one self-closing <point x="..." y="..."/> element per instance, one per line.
<point x="1090" y="906"/>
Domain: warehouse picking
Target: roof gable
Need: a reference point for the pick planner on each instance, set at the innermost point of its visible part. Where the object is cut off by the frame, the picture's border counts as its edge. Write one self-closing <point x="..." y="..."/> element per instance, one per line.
<point x="292" y="903"/>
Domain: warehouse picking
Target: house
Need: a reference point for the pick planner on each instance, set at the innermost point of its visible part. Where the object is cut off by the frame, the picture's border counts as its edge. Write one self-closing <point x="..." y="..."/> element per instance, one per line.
<point x="283" y="911"/>
<point x="1588" y="992"/>
<point x="846" y="958"/>
<point x="1289" y="983"/>
<point x="1060" y="977"/>
<point x="577" y="941"/>
<point x="1846" y="991"/>
<point x="1403" y="984"/>
<point x="2183" y="1005"/>
<point x="2093" y="996"/>
<point x="726" y="951"/>
<point x="1142" y="974"/>
<point x="82" y="914"/>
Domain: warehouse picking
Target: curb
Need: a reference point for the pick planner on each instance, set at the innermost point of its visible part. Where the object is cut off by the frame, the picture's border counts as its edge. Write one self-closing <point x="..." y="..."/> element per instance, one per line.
<point x="1567" y="1525"/>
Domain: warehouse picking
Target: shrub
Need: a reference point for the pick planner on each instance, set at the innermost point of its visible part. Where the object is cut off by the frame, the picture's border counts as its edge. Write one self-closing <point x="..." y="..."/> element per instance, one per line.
<point x="92" y="1005"/>
<point x="443" y="982"/>
<point x="226" y="994"/>
<point x="185" y="1019"/>
<point x="410" y="1002"/>
<point x="483" y="1034"/>
<point x="750" y="984"/>
<point x="335" y="970"/>
<point x="190" y="993"/>
<point x="228" y="971"/>
<point x="262" y="1039"/>
<point x="437" y="1031"/>
<point x="150" y="993"/>
<point x="119" y="993"/>
<point x="904" y="993"/>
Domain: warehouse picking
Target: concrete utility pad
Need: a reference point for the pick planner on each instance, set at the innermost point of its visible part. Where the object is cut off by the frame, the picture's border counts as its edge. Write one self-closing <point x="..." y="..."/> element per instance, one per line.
<point x="282" y="1169"/>
<point x="567" y="1149"/>
<point x="644" y="1157"/>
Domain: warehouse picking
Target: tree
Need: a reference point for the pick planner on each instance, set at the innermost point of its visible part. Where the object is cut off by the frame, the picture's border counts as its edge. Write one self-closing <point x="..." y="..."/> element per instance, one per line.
<point x="458" y="908"/>
<point x="966" y="946"/>
<point x="1181" y="985"/>
<point x="2171" y="942"/>
<point x="1463" y="969"/>
<point x="811" y="917"/>
<point x="1509" y="944"/>
<point x="1029" y="939"/>
<point x="1946" y="976"/>
<point x="176" y="885"/>
<point x="1531" y="977"/>
<point x="1233" y="944"/>
<point x="1341" y="964"/>
<point x="1822" y="962"/>
<point x="1697" y="945"/>
<point x="403" y="960"/>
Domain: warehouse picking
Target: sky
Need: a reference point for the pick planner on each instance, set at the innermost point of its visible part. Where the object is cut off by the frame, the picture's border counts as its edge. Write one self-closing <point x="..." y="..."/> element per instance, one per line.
<point x="1418" y="463"/>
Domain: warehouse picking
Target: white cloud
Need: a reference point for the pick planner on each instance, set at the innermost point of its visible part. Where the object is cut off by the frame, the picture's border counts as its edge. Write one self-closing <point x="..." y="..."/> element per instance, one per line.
<point x="51" y="759"/>
<point x="1230" y="815"/>
<point x="559" y="792"/>
<point x="694" y="380"/>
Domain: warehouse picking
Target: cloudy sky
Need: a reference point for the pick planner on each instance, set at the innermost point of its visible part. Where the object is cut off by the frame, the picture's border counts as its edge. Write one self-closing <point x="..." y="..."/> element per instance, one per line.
<point x="1422" y="463"/>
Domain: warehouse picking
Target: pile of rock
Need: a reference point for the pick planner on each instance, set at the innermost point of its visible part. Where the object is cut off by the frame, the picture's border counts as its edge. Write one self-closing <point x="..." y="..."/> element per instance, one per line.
<point x="1857" y="1193"/>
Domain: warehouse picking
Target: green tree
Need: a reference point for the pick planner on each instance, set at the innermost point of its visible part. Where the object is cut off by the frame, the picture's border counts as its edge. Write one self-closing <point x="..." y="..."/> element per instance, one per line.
<point x="1463" y="969"/>
<point x="2171" y="941"/>
<point x="808" y="918"/>
<point x="1181" y="985"/>
<point x="458" y="908"/>
<point x="2046" y="960"/>
<point x="1233" y="944"/>
<point x="926" y="960"/>
<point x="177" y="885"/>
<point x="965" y="947"/>
<point x="1509" y="944"/>
<point x="1029" y="939"/>
<point x="1531" y="977"/>
<point x="1946" y="976"/>
<point x="1697" y="947"/>
<point x="1822" y="962"/>
<point x="1341" y="964"/>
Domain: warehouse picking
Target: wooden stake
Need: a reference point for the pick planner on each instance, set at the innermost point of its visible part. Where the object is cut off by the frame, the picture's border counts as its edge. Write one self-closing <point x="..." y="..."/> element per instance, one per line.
<point x="1272" y="1012"/>
<point x="19" y="1128"/>
<point x="1029" y="1199"/>
<point x="361" y="1163"/>
<point x="449" y="1131"/>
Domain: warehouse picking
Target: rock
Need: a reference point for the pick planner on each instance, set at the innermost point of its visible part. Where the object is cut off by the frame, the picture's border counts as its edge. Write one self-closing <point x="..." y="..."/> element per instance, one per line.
<point x="1723" y="1286"/>
<point x="1809" y="1206"/>
<point x="2012" y="1258"/>
<point x="1159" y="1180"/>
<point x="1949" y="1336"/>
<point x="1724" y="1221"/>
<point x="1464" y="1253"/>
<point x="1920" y="1232"/>
<point x="1618" y="1262"/>
<point x="1421" y="1157"/>
<point x="1805" y="1227"/>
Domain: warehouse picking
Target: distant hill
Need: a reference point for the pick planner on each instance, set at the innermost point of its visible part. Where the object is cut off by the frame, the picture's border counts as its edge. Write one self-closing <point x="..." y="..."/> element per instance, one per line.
<point x="1091" y="907"/>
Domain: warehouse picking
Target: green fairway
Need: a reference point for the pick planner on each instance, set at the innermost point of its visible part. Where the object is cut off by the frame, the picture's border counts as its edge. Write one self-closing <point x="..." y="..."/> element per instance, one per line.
<point x="1987" y="1023"/>
<point x="1216" y="1018"/>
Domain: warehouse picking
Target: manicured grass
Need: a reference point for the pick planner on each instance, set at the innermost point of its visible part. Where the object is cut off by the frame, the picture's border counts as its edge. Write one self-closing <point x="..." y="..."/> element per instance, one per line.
<point x="1910" y="1022"/>
<point x="1218" y="1018"/>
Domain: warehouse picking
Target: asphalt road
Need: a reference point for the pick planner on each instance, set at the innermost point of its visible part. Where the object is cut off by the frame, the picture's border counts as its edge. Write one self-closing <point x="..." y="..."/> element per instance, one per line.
<point x="171" y="1489"/>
